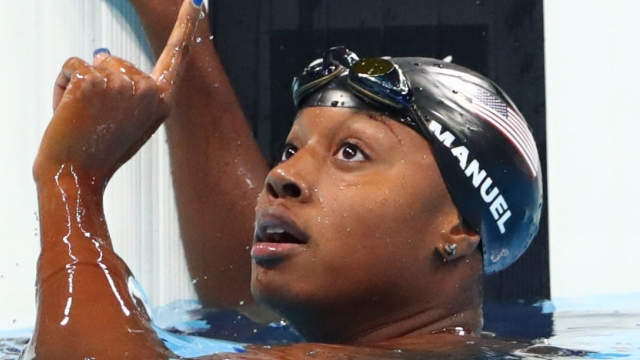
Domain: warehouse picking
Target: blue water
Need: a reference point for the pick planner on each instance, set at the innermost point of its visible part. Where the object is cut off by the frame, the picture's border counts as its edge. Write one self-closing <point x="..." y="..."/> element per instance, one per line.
<point x="592" y="328"/>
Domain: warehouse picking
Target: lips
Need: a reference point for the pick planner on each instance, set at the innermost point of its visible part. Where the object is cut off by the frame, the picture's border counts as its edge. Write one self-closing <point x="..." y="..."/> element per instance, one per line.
<point x="276" y="238"/>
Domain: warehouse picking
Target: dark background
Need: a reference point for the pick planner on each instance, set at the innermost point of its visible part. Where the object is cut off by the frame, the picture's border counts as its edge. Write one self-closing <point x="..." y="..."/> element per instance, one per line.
<point x="263" y="44"/>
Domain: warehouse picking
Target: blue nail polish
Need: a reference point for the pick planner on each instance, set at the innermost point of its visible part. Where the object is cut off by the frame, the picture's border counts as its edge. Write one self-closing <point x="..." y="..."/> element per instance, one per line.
<point x="197" y="3"/>
<point x="103" y="50"/>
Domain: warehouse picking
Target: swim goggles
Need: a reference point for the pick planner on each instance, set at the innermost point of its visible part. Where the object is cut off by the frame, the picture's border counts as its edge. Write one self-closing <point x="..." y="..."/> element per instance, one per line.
<point x="375" y="80"/>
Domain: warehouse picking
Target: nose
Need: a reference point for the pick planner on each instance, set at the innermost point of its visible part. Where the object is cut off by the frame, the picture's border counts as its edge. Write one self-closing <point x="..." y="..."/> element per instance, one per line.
<point x="285" y="181"/>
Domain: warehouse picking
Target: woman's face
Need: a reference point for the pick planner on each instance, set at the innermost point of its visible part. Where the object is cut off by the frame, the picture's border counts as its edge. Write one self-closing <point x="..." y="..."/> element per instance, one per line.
<point x="351" y="216"/>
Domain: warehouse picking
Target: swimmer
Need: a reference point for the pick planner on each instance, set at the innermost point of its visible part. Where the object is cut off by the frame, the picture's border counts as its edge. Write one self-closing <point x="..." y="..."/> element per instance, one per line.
<point x="403" y="181"/>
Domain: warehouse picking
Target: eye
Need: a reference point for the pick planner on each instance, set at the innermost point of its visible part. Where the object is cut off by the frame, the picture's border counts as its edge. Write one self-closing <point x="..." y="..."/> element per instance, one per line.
<point x="350" y="152"/>
<point x="288" y="152"/>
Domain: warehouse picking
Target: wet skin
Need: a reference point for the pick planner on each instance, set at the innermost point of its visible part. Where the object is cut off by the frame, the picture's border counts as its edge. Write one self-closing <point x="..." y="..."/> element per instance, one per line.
<point x="103" y="114"/>
<point x="364" y="210"/>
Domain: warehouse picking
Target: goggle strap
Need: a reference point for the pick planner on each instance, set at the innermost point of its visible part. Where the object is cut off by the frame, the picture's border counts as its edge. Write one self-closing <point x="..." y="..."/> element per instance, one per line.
<point x="307" y="88"/>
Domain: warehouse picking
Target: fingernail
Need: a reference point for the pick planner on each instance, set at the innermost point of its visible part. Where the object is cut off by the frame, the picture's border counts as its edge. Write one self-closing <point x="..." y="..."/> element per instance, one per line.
<point x="197" y="3"/>
<point x="103" y="50"/>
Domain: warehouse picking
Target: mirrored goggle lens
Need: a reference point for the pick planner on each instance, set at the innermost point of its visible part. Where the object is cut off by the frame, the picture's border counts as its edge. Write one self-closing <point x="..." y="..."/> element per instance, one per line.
<point x="373" y="67"/>
<point x="382" y="81"/>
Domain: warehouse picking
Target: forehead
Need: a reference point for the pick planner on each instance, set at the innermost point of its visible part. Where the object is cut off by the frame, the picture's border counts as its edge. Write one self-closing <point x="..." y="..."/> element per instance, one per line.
<point x="319" y="120"/>
<point x="315" y="120"/>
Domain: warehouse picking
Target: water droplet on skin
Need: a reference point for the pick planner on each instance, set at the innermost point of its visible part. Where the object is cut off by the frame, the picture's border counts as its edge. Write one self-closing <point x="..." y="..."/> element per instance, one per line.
<point x="198" y="39"/>
<point x="210" y="37"/>
<point x="319" y="219"/>
<point x="241" y="302"/>
<point x="194" y="281"/>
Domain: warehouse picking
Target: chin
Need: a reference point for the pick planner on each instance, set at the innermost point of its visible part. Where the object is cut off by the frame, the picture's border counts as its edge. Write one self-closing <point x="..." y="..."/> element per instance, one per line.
<point x="268" y="288"/>
<point x="284" y="293"/>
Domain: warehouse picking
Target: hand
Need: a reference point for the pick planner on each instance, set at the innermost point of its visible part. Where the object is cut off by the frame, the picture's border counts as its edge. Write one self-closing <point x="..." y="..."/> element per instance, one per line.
<point x="106" y="111"/>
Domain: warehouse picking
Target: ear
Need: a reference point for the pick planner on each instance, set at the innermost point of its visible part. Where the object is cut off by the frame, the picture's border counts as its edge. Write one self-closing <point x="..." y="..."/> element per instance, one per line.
<point x="459" y="241"/>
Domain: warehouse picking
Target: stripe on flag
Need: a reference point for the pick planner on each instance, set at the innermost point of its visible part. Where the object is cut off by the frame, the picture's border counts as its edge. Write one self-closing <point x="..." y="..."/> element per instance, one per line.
<point x="510" y="124"/>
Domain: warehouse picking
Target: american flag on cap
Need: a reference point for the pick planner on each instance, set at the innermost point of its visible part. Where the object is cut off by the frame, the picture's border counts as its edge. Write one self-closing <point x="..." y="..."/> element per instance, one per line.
<point x="510" y="124"/>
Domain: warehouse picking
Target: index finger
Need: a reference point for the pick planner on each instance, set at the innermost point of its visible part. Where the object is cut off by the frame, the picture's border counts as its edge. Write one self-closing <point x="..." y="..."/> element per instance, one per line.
<point x="172" y="60"/>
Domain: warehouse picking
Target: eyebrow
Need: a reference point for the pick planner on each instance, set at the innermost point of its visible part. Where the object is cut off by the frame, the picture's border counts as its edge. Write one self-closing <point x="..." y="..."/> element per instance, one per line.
<point x="381" y="118"/>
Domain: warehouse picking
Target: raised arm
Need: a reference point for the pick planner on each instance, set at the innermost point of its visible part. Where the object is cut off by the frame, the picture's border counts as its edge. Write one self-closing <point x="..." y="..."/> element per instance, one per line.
<point x="103" y="114"/>
<point x="217" y="167"/>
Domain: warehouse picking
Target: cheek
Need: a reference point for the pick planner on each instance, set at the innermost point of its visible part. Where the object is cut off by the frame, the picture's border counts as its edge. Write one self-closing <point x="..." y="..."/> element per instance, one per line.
<point x="374" y="223"/>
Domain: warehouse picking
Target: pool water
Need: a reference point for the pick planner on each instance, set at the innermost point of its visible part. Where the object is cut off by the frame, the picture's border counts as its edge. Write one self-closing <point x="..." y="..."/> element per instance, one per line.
<point x="589" y="328"/>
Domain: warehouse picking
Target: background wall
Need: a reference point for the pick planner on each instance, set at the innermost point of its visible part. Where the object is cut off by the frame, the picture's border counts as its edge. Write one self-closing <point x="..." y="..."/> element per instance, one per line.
<point x="592" y="53"/>
<point x="38" y="37"/>
<point x="591" y="73"/>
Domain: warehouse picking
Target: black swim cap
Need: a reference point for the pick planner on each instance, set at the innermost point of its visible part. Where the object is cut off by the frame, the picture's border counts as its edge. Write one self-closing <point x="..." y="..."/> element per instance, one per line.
<point x="483" y="147"/>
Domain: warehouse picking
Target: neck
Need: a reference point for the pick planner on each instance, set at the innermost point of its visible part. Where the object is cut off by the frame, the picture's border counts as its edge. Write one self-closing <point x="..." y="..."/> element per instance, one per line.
<point x="453" y="306"/>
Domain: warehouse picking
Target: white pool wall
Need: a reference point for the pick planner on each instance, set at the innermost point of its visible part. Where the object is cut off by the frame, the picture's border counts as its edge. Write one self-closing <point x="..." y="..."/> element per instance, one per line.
<point x="592" y="124"/>
<point x="139" y="204"/>
<point x="592" y="53"/>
